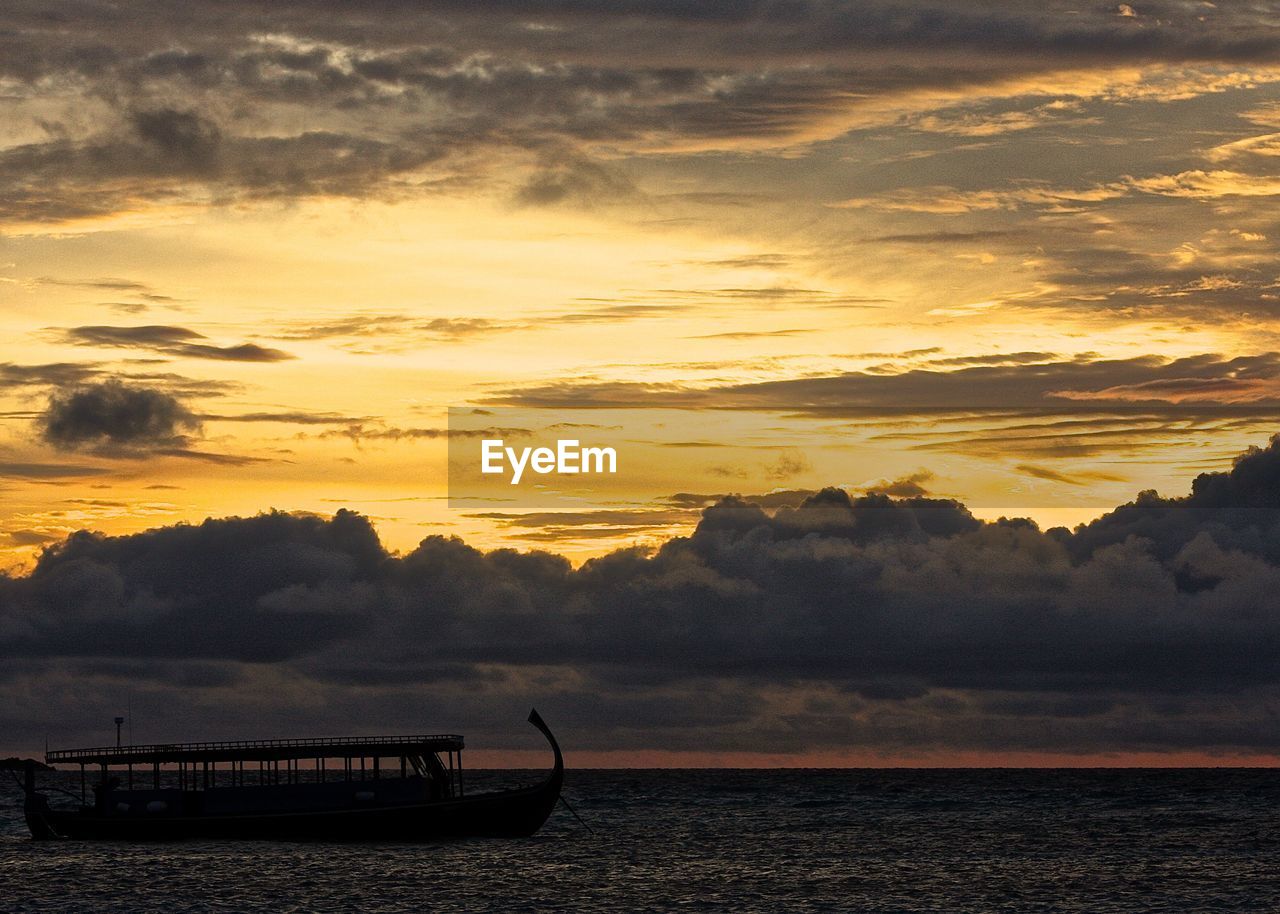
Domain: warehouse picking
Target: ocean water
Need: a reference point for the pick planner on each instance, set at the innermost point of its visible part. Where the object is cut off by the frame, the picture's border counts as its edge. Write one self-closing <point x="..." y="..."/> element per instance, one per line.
<point x="794" y="840"/>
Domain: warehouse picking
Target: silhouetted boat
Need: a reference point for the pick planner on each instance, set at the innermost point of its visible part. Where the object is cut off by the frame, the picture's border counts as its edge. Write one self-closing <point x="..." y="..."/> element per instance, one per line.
<point x="264" y="793"/>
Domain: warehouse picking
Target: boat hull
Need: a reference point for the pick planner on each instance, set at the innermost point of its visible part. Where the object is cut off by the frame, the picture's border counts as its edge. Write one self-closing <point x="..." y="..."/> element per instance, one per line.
<point x="511" y="814"/>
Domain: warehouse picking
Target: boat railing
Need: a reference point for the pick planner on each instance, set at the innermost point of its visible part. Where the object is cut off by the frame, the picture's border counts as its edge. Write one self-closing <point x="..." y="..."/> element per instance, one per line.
<point x="428" y="741"/>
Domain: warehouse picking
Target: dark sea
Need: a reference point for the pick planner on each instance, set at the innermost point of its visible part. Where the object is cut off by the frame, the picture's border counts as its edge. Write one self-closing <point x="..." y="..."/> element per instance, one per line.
<point x="793" y="840"/>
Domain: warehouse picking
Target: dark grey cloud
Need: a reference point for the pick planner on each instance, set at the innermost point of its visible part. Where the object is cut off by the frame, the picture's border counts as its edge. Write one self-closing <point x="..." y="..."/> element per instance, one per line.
<point x="558" y="526"/>
<point x="288" y="417"/>
<point x="1003" y="358"/>
<point x="1013" y="381"/>
<point x="357" y="325"/>
<point x="904" y="354"/>
<point x="779" y="498"/>
<point x="40" y="471"/>
<point x="452" y="329"/>
<point x="170" y="340"/>
<point x="1076" y="478"/>
<point x="1235" y="512"/>
<point x="577" y="180"/>
<point x="150" y="335"/>
<point x="391" y="332"/>
<point x="158" y="157"/>
<point x="561" y="394"/>
<point x="106" y="283"/>
<point x="359" y="432"/>
<point x="918" y="624"/>
<point x="57" y="374"/>
<point x="766" y="294"/>
<point x="911" y="485"/>
<point x="172" y="383"/>
<point x="99" y="587"/>
<point x="226" y="460"/>
<point x="398" y="99"/>
<point x="750" y="262"/>
<point x="607" y="311"/>
<point x="242" y="352"/>
<point x="366" y="333"/>
<point x="182" y="138"/>
<point x="656" y="28"/>
<point x="1234" y="279"/>
<point x="112" y="417"/>
<point x="1033" y="406"/>
<point x="618" y="517"/>
<point x="67" y="375"/>
<point x="753" y="334"/>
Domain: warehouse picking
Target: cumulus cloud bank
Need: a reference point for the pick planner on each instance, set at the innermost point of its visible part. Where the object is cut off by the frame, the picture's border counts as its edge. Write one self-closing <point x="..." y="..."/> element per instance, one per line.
<point x="896" y="624"/>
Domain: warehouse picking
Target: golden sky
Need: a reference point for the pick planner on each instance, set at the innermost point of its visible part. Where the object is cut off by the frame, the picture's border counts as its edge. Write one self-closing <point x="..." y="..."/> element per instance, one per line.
<point x="392" y="231"/>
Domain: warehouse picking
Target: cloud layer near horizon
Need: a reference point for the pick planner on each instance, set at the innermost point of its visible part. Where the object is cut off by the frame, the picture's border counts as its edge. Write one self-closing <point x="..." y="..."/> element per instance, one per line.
<point x="882" y="624"/>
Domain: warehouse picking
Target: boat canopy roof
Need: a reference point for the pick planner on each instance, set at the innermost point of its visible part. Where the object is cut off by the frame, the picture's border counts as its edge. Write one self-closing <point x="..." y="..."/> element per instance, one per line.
<point x="259" y="750"/>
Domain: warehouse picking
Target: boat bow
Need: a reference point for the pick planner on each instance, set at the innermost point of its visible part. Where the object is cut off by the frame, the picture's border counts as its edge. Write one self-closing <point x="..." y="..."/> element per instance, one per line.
<point x="557" y="773"/>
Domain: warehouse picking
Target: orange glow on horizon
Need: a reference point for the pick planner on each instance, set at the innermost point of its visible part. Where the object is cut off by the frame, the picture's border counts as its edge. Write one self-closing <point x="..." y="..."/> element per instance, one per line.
<point x="834" y="759"/>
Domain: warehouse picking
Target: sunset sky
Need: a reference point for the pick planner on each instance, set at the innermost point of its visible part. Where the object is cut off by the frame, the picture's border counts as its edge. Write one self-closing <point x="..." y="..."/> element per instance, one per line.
<point x="1021" y="257"/>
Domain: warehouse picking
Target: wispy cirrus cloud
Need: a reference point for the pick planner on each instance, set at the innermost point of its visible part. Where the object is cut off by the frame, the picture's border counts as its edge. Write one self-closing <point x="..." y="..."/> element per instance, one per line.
<point x="169" y="340"/>
<point x="47" y="471"/>
<point x="387" y="327"/>
<point x="1015" y="380"/>
<point x="1193" y="184"/>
